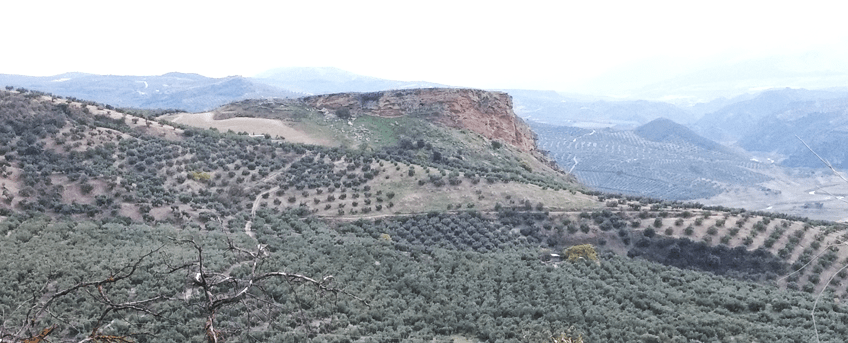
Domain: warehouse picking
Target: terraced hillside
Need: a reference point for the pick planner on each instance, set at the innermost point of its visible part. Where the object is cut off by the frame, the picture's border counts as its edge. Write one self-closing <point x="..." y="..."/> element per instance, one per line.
<point x="627" y="163"/>
<point x="150" y="171"/>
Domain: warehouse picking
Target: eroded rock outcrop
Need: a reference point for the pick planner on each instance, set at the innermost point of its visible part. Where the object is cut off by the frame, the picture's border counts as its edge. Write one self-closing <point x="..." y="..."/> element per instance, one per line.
<point x="487" y="113"/>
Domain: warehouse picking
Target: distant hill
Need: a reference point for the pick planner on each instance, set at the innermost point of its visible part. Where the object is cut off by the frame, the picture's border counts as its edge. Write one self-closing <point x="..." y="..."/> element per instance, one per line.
<point x="769" y="122"/>
<point x="660" y="159"/>
<point x="663" y="130"/>
<point x="196" y="93"/>
<point x="313" y="80"/>
<point x="188" y="92"/>
<point x="822" y="124"/>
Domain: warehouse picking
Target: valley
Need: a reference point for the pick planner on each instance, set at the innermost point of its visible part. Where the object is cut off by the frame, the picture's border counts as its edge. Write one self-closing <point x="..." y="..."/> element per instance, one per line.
<point x="762" y="167"/>
<point x="429" y="214"/>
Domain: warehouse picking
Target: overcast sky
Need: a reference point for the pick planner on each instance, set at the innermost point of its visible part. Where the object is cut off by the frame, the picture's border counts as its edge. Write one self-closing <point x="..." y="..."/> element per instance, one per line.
<point x="557" y="45"/>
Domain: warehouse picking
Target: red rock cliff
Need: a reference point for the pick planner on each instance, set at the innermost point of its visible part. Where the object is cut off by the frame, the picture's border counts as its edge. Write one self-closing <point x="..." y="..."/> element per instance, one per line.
<point x="487" y="113"/>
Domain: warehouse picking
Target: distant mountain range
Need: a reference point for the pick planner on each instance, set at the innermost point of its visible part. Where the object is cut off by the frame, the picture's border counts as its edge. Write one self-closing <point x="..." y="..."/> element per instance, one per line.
<point x="188" y="92"/>
<point x="770" y="121"/>
<point x="822" y="124"/>
<point x="332" y="80"/>
<point x="738" y="120"/>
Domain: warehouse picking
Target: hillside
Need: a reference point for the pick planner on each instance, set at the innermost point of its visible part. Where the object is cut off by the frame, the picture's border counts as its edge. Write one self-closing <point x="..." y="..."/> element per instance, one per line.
<point x="430" y="138"/>
<point x="769" y="123"/>
<point x="402" y="227"/>
<point x="660" y="159"/>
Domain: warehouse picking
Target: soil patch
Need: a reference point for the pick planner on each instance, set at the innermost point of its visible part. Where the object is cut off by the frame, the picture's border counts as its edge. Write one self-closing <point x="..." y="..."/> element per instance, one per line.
<point x="253" y="126"/>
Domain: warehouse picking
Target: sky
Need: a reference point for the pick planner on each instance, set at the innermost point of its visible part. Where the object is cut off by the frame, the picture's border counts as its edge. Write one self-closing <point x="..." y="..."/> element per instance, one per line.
<point x="559" y="45"/>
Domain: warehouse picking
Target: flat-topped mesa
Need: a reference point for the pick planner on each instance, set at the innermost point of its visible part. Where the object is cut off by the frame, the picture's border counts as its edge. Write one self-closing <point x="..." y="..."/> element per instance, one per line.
<point x="487" y="113"/>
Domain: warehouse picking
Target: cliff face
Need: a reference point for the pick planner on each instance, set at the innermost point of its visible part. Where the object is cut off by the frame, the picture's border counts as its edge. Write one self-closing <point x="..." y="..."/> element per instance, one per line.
<point x="487" y="113"/>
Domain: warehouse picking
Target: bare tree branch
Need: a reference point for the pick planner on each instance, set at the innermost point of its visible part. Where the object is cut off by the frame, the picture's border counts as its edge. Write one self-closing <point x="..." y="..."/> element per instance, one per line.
<point x="214" y="300"/>
<point x="39" y="308"/>
<point x="220" y="289"/>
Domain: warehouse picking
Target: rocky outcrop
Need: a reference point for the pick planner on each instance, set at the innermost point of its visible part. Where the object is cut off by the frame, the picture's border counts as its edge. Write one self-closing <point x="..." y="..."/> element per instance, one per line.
<point x="487" y="113"/>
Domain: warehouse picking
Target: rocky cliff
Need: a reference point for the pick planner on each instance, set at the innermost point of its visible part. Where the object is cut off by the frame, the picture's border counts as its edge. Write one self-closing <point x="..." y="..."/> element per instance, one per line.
<point x="487" y="113"/>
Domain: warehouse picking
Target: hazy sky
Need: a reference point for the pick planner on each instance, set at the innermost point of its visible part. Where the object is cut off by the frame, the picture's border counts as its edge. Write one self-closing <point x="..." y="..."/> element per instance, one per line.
<point x="488" y="44"/>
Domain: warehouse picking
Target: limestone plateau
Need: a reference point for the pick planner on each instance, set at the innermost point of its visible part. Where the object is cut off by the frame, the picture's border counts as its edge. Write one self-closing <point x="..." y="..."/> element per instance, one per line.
<point x="487" y="113"/>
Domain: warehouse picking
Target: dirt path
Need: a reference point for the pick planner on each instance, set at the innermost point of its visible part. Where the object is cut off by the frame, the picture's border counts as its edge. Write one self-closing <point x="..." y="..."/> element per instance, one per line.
<point x="257" y="201"/>
<point x="259" y="126"/>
